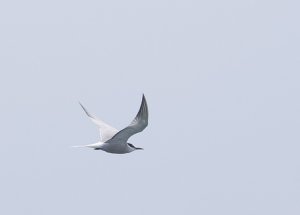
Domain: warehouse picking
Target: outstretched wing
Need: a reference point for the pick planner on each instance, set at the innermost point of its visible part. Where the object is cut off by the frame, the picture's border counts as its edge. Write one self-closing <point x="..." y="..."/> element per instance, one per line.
<point x="106" y="131"/>
<point x="138" y="124"/>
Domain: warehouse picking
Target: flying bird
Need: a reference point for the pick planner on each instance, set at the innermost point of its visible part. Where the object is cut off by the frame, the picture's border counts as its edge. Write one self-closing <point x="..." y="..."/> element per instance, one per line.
<point x="114" y="141"/>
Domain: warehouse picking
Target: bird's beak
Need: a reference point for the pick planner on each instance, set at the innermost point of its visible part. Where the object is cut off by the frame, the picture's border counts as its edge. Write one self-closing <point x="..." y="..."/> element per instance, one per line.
<point x="139" y="148"/>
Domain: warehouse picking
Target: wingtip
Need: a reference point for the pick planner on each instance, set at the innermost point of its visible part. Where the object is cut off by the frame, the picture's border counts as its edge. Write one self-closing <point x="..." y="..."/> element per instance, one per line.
<point x="144" y="107"/>
<point x="80" y="103"/>
<point x="85" y="110"/>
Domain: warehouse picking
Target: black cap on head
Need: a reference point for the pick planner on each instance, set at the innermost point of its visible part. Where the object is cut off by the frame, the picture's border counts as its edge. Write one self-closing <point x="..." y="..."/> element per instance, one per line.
<point x="132" y="146"/>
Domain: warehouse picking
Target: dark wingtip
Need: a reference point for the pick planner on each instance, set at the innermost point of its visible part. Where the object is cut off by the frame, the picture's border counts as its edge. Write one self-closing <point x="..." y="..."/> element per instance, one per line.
<point x="85" y="110"/>
<point x="144" y="106"/>
<point x="144" y="99"/>
<point x="81" y="105"/>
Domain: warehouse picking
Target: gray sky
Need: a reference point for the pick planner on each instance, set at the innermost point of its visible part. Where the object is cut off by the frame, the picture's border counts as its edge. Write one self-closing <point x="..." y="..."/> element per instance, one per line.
<point x="222" y="83"/>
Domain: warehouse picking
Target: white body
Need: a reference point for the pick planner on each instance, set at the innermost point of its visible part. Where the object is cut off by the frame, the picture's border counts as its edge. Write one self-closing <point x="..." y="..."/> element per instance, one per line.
<point x="110" y="148"/>
<point x="114" y="141"/>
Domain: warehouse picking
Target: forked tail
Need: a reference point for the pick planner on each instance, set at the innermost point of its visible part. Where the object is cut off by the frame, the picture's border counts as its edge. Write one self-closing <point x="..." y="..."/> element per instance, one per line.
<point x="78" y="146"/>
<point x="94" y="146"/>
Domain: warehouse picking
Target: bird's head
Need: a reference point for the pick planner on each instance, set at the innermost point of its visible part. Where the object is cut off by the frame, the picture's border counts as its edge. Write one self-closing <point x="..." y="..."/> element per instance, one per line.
<point x="133" y="147"/>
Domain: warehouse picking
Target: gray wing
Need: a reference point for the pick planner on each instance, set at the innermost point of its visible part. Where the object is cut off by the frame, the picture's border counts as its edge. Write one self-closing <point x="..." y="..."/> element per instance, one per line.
<point x="106" y="131"/>
<point x="138" y="124"/>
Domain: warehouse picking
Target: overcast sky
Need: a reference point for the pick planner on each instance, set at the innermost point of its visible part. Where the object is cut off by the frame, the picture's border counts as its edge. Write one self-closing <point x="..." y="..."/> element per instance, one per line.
<point x="222" y="83"/>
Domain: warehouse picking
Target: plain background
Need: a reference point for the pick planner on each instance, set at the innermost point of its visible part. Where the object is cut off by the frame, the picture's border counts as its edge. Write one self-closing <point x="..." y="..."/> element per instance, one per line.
<point x="222" y="83"/>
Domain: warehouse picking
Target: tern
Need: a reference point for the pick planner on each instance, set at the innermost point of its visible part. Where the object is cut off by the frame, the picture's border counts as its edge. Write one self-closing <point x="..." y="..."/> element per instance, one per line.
<point x="114" y="141"/>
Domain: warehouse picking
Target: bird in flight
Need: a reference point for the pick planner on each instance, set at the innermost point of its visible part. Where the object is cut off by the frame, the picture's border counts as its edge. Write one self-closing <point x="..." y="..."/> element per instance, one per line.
<point x="114" y="141"/>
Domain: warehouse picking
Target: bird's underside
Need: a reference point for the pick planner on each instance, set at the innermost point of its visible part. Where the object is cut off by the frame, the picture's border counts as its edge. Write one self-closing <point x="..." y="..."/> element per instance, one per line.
<point x="114" y="141"/>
